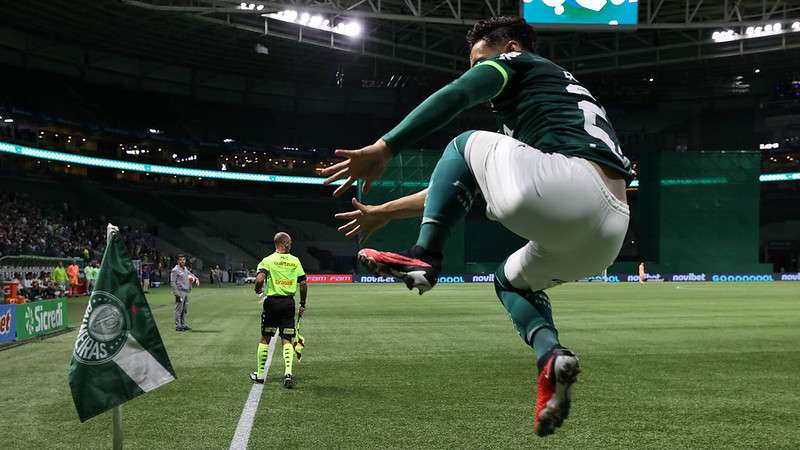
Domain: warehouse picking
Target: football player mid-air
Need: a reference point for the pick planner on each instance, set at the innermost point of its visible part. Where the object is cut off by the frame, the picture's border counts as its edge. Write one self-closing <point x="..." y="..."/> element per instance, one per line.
<point x="557" y="178"/>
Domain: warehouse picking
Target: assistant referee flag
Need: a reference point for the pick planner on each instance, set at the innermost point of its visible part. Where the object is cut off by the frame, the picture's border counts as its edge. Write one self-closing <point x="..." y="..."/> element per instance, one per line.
<point x="119" y="354"/>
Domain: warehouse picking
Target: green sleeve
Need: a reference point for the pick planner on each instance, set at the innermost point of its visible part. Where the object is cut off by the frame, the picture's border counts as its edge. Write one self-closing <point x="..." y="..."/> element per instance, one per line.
<point x="478" y="85"/>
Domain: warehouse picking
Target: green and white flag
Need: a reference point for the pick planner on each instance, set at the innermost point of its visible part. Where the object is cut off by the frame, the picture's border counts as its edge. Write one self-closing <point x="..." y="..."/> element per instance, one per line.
<point x="119" y="354"/>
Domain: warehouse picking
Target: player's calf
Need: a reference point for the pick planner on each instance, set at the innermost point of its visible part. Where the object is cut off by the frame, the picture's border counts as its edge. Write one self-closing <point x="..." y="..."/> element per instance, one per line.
<point x="531" y="314"/>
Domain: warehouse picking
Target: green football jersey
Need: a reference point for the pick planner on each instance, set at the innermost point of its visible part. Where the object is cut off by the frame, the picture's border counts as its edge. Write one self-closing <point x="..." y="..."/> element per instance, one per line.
<point x="544" y="106"/>
<point x="283" y="271"/>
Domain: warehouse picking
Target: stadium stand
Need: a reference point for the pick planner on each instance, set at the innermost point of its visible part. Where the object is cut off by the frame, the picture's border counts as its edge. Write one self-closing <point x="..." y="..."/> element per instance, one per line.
<point x="115" y="123"/>
<point x="33" y="226"/>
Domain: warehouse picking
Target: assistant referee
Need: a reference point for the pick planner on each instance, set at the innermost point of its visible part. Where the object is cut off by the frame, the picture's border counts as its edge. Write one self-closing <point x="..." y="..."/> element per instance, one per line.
<point x="283" y="273"/>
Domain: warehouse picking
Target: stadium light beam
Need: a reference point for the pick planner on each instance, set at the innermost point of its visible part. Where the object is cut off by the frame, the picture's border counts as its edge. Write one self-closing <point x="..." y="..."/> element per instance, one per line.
<point x="768" y="29"/>
<point x="317" y="22"/>
<point x="50" y="155"/>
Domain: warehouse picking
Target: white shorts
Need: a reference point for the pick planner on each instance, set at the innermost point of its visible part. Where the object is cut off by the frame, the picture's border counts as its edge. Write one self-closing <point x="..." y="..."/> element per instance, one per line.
<point x="560" y="204"/>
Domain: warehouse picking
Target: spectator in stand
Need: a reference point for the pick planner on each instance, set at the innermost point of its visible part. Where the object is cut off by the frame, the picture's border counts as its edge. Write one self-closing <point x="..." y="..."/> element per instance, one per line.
<point x="34" y="227"/>
<point x="60" y="277"/>
<point x="72" y="272"/>
<point x="34" y="292"/>
<point x="27" y="281"/>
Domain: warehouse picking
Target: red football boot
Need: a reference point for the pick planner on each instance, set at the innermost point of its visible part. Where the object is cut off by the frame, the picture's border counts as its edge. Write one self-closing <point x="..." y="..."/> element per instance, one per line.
<point x="553" y="395"/>
<point x="416" y="267"/>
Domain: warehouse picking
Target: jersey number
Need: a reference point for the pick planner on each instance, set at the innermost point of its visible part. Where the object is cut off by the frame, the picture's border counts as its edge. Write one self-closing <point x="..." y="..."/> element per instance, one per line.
<point x="590" y="113"/>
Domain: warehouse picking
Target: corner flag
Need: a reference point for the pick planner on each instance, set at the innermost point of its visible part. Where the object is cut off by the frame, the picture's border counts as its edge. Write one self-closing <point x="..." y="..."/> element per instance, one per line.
<point x="118" y="354"/>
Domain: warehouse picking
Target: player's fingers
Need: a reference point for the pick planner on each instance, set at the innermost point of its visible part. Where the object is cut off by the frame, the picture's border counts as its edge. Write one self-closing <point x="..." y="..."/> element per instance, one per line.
<point x="353" y="231"/>
<point x="348" y="225"/>
<point x="341" y="165"/>
<point x="342" y="153"/>
<point x="359" y="206"/>
<point x="347" y="215"/>
<point x="326" y="171"/>
<point x="341" y="189"/>
<point x="337" y="176"/>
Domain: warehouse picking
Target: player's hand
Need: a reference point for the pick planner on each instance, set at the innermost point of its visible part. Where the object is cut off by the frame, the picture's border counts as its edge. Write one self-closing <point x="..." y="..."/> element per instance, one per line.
<point x="366" y="164"/>
<point x="301" y="311"/>
<point x="365" y="219"/>
<point x="261" y="298"/>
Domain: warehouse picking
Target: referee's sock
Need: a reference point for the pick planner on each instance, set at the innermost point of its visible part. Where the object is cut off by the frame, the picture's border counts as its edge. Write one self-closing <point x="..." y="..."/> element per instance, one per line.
<point x="288" y="357"/>
<point x="261" y="359"/>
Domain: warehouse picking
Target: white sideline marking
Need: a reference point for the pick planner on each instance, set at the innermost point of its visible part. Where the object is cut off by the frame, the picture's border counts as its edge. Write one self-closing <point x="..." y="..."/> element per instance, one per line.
<point x="242" y="434"/>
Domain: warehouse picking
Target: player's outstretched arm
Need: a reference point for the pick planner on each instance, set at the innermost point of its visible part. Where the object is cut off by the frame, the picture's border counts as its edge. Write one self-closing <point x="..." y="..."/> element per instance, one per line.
<point x="366" y="219"/>
<point x="366" y="164"/>
<point x="477" y="85"/>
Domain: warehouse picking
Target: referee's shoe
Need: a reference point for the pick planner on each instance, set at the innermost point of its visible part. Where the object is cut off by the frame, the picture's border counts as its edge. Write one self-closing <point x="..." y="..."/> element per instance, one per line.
<point x="254" y="378"/>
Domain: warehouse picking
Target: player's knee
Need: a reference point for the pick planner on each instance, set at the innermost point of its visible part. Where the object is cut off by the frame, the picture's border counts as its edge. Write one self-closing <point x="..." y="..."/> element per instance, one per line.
<point x="501" y="282"/>
<point x="459" y="144"/>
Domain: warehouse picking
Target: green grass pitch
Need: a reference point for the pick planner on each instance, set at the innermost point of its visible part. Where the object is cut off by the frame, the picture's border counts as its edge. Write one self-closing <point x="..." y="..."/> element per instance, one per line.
<point x="666" y="365"/>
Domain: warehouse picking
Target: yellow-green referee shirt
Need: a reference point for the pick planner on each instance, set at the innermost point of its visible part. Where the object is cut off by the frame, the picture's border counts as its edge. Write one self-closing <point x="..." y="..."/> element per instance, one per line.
<point x="284" y="272"/>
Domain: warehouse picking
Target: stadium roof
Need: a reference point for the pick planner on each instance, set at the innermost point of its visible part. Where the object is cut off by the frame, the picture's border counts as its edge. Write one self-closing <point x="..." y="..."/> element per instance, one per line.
<point x="194" y="42"/>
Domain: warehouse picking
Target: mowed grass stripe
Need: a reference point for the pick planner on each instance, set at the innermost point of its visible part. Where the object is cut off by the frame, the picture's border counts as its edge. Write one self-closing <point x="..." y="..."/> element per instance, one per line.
<point x="666" y="366"/>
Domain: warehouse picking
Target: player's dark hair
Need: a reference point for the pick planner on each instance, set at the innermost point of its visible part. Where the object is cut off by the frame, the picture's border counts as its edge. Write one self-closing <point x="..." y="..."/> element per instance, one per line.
<point x="496" y="31"/>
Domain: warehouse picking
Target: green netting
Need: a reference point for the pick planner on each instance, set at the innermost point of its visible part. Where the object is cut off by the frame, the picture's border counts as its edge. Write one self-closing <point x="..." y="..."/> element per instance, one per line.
<point x="699" y="211"/>
<point x="407" y="173"/>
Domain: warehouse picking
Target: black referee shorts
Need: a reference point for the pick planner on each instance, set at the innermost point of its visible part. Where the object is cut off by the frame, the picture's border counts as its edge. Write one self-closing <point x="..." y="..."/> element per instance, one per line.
<point x="278" y="316"/>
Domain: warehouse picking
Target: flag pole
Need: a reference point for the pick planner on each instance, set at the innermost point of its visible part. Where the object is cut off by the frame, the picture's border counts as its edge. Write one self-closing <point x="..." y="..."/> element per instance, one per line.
<point x="117" y="411"/>
<point x="117" y="419"/>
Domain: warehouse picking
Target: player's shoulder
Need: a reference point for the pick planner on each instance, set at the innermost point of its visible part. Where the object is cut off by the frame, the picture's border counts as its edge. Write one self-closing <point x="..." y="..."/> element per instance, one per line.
<point x="514" y="58"/>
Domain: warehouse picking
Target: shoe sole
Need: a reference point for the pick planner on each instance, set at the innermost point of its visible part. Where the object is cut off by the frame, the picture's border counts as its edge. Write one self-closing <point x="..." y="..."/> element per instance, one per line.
<point x="556" y="411"/>
<point x="413" y="279"/>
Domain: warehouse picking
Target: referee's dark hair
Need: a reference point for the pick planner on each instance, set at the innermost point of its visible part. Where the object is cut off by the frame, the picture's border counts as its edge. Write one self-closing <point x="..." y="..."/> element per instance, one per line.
<point x="496" y="31"/>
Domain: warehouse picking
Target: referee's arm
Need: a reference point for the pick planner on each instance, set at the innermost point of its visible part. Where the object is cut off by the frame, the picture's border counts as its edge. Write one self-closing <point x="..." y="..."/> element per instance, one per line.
<point x="260" y="278"/>
<point x="303" y="293"/>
